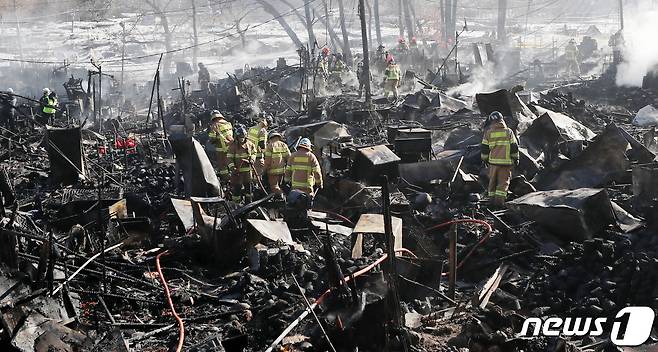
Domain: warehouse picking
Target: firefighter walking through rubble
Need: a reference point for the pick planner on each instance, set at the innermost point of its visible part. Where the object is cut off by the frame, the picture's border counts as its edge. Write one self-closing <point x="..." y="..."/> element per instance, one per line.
<point x="303" y="169"/>
<point x="500" y="151"/>
<point x="571" y="56"/>
<point x="221" y="136"/>
<point x="276" y="155"/>
<point x="391" y="79"/>
<point x="241" y="155"/>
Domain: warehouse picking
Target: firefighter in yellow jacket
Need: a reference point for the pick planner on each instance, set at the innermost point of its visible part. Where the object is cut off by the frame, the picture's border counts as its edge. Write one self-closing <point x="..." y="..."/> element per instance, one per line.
<point x="500" y="151"/>
<point x="221" y="136"/>
<point x="241" y="156"/>
<point x="276" y="156"/>
<point x="392" y="79"/>
<point x="303" y="169"/>
<point x="257" y="135"/>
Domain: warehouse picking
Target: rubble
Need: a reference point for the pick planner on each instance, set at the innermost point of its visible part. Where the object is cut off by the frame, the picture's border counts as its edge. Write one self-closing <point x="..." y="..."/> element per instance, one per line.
<point x="117" y="231"/>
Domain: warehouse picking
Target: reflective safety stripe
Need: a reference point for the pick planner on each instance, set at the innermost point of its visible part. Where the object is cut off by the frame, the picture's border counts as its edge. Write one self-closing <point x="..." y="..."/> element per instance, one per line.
<point x="309" y="183"/>
<point x="500" y="193"/>
<point x="300" y="159"/>
<point x="500" y="161"/>
<point x="277" y="171"/>
<point x="301" y="168"/>
<point x="501" y="134"/>
<point x="49" y="109"/>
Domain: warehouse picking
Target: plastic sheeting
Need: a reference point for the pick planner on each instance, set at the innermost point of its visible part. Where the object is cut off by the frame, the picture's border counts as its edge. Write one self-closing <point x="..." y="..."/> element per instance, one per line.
<point x="550" y="130"/>
<point x="198" y="172"/>
<point x="581" y="212"/>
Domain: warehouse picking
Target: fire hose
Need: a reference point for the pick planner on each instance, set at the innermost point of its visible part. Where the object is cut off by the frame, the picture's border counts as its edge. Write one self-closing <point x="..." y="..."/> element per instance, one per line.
<point x="326" y="293"/>
<point x="181" y="327"/>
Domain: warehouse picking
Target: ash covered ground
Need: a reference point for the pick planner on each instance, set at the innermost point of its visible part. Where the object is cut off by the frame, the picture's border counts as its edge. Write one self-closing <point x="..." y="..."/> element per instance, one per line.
<point x="120" y="231"/>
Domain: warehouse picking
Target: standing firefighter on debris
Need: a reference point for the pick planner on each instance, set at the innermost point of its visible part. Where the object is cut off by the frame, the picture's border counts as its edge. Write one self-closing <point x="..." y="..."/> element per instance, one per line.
<point x="500" y="151"/>
<point x="571" y="55"/>
<point x="48" y="107"/>
<point x="204" y="77"/>
<point x="276" y="155"/>
<point x="257" y="135"/>
<point x="241" y="155"/>
<point x="303" y="169"/>
<point x="8" y="106"/>
<point x="221" y="136"/>
<point x="392" y="79"/>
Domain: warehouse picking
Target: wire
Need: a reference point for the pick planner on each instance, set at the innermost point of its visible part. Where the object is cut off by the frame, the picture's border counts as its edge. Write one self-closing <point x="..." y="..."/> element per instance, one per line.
<point x="462" y="221"/>
<point x="181" y="327"/>
<point x="174" y="50"/>
<point x="326" y="293"/>
<point x="337" y="215"/>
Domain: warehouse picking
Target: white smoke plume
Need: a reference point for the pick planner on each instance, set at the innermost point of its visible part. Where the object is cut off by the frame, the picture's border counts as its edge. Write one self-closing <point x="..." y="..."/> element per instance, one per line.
<point x="640" y="52"/>
<point x="482" y="79"/>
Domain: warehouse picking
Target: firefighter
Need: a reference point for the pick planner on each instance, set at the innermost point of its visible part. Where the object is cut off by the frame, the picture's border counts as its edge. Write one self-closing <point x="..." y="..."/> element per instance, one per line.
<point x="363" y="77"/>
<point x="204" y="77"/>
<point x="571" y="56"/>
<point x="616" y="42"/>
<point x="241" y="155"/>
<point x="257" y="135"/>
<point x="499" y="150"/>
<point x="8" y="106"/>
<point x="339" y="65"/>
<point x="414" y="44"/>
<point x="276" y="156"/>
<point x="303" y="169"/>
<point x="402" y="46"/>
<point x="221" y="136"/>
<point x="392" y="79"/>
<point x="48" y="107"/>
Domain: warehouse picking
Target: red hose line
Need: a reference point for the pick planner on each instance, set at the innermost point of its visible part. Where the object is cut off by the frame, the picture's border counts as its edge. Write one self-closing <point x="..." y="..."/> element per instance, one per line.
<point x="363" y="271"/>
<point x="324" y="295"/>
<point x="336" y="215"/>
<point x="181" y="328"/>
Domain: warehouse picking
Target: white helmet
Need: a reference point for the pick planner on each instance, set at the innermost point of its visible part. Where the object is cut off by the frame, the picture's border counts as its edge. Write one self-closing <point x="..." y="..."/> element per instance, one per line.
<point x="10" y="90"/>
<point x="46" y="91"/>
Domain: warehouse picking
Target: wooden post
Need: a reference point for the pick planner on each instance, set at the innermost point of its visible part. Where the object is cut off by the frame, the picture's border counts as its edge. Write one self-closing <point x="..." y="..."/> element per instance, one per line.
<point x="502" y="18"/>
<point x="123" y="55"/>
<point x="452" y="261"/>
<point x="366" y="53"/>
<point x="621" y="14"/>
<point x="195" y="51"/>
<point x="378" y="30"/>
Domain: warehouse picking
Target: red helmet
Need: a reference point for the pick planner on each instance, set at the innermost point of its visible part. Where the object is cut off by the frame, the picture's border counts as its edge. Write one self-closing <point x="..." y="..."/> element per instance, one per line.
<point x="413" y="39"/>
<point x="325" y="51"/>
<point x="401" y="40"/>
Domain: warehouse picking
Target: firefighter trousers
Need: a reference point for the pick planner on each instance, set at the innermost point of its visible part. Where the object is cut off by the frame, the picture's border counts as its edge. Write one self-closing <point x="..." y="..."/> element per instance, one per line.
<point x="274" y="181"/>
<point x="499" y="180"/>
<point x="241" y="186"/>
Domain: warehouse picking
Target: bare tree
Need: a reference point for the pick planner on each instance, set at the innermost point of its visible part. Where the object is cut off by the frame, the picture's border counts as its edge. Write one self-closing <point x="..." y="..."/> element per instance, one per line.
<point x="408" y="20"/>
<point x="159" y="11"/>
<point x="305" y="19"/>
<point x="309" y="24"/>
<point x="326" y="22"/>
<point x="347" y="51"/>
<point x="282" y="21"/>
<point x="378" y="29"/>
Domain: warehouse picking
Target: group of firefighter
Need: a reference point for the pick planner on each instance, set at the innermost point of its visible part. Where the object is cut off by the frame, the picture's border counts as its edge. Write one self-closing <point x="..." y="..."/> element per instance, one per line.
<point x="244" y="156"/>
<point x="332" y="66"/>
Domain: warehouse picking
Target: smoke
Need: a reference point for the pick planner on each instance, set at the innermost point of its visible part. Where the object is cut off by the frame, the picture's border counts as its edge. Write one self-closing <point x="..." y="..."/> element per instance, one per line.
<point x="640" y="52"/>
<point x="482" y="79"/>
